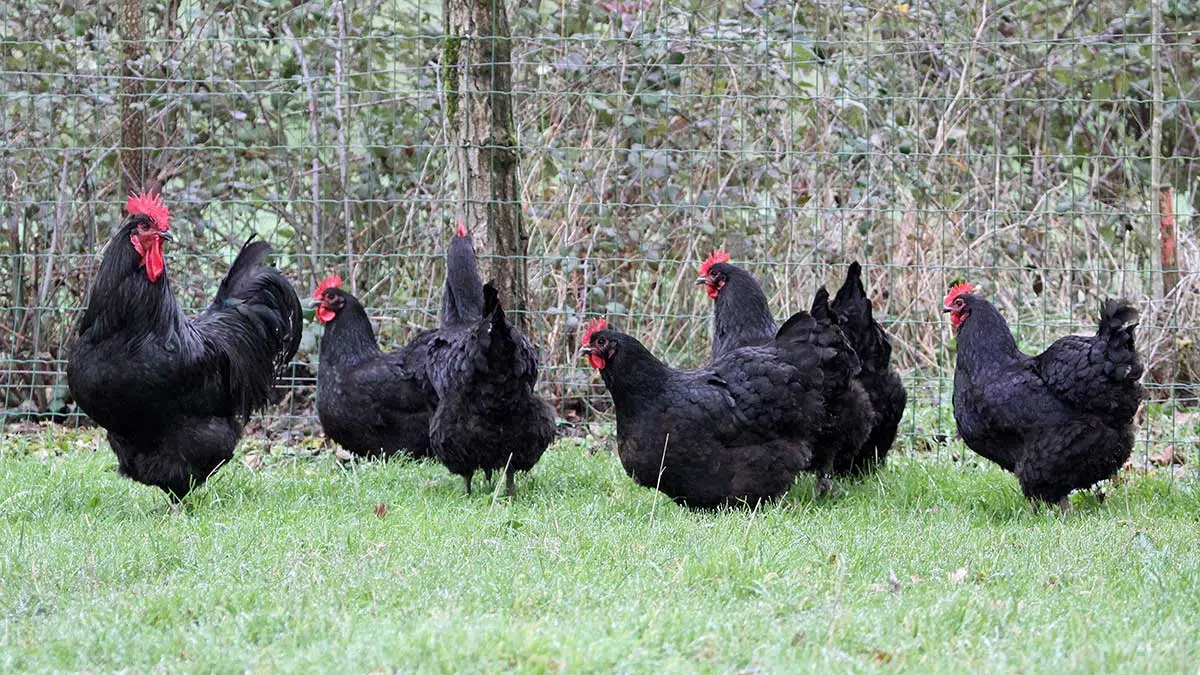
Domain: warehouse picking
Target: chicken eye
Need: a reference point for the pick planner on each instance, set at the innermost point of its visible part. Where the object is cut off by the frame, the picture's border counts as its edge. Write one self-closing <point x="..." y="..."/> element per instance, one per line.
<point x="600" y="342"/>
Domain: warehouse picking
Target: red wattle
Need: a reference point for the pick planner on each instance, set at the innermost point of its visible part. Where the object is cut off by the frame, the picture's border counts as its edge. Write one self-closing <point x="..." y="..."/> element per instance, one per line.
<point x="150" y="248"/>
<point x="596" y="361"/>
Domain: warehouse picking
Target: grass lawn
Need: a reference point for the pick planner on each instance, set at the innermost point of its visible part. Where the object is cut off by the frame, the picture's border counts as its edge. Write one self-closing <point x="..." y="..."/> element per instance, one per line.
<point x="931" y="566"/>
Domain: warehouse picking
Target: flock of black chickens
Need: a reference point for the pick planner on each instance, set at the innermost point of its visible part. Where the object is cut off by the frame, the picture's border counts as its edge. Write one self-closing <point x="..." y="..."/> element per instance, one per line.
<point x="818" y="394"/>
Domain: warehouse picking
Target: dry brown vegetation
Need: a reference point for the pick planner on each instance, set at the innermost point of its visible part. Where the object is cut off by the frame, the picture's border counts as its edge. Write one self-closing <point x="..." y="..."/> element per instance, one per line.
<point x="1011" y="145"/>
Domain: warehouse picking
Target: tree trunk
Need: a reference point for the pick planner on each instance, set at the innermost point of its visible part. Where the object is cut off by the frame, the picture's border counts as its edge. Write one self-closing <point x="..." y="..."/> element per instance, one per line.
<point x="478" y="103"/>
<point x="133" y="113"/>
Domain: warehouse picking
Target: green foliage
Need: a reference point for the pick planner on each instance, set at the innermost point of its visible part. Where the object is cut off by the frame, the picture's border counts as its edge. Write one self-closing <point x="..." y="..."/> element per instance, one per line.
<point x="926" y="139"/>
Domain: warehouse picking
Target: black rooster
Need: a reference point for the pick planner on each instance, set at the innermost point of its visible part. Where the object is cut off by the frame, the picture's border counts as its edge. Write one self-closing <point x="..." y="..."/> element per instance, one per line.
<point x="174" y="393"/>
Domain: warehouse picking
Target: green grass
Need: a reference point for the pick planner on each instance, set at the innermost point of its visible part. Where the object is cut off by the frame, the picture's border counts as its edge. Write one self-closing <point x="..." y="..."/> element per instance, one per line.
<point x="932" y="566"/>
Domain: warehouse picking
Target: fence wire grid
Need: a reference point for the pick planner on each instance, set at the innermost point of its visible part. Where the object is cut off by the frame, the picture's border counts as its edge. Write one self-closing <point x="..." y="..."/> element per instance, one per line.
<point x="1015" y="144"/>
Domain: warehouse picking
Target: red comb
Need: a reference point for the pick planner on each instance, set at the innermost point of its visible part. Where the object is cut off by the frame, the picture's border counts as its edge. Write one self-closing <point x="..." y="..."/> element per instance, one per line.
<point x="592" y="327"/>
<point x="150" y="206"/>
<point x="462" y="229"/>
<point x="957" y="290"/>
<point x="716" y="257"/>
<point x="327" y="283"/>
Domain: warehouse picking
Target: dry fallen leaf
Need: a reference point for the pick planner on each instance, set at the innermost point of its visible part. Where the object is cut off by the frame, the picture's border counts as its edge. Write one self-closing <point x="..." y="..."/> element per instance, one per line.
<point x="381" y="510"/>
<point x="1169" y="455"/>
<point x="253" y="462"/>
<point x="958" y="575"/>
<point x="881" y="656"/>
<point x="342" y="454"/>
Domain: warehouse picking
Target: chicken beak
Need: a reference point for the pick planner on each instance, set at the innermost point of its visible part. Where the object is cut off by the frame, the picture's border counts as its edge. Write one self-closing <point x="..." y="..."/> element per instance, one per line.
<point x="166" y="234"/>
<point x="947" y="310"/>
<point x="585" y="351"/>
<point x="701" y="281"/>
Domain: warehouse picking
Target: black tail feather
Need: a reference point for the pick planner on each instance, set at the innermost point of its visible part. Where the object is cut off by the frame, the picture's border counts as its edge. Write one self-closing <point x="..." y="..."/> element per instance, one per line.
<point x="854" y="312"/>
<point x="854" y="273"/>
<point x="1118" y="319"/>
<point x="852" y="290"/>
<point x="508" y="344"/>
<point x="820" y="306"/>
<point x="491" y="300"/>
<point x="1118" y="322"/>
<point x="255" y="320"/>
<point x="822" y="334"/>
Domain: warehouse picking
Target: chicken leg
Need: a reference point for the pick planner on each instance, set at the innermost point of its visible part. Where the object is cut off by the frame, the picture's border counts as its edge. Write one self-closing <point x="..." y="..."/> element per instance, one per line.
<point x="824" y="485"/>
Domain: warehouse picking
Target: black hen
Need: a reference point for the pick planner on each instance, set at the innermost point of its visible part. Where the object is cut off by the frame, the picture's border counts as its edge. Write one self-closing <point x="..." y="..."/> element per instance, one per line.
<point x="878" y="377"/>
<point x="737" y="430"/>
<point x="1061" y="420"/>
<point x="848" y="413"/>
<point x="487" y="415"/>
<point x="370" y="402"/>
<point x="742" y="317"/>
<point x="174" y="393"/>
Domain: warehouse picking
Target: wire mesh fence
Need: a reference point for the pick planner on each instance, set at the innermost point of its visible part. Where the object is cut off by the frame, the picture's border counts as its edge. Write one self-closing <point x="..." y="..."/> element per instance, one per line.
<point x="1015" y="144"/>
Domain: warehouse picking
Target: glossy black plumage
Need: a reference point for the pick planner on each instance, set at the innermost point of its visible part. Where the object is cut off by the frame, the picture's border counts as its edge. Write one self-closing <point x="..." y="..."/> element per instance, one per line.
<point x="742" y="317"/>
<point x="369" y="401"/>
<point x="737" y="430"/>
<point x="487" y="416"/>
<point x="849" y="416"/>
<point x="878" y="378"/>
<point x="1061" y="420"/>
<point x="174" y="393"/>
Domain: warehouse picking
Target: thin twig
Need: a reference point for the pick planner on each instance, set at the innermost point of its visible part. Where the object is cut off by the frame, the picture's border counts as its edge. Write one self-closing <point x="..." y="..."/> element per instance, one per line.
<point x="315" y="132"/>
